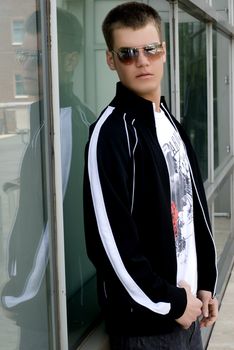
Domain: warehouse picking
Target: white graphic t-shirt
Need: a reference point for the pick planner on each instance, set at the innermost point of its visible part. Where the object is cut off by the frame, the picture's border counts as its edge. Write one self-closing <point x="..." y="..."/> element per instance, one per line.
<point x="181" y="199"/>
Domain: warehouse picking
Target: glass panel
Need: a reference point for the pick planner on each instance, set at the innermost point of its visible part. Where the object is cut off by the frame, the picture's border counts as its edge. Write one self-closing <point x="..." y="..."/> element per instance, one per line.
<point x="222" y="217"/>
<point x="75" y="117"/>
<point x="24" y="270"/>
<point x="163" y="9"/>
<point x="193" y="85"/>
<point x="86" y="85"/>
<point x="82" y="69"/>
<point x="222" y="150"/>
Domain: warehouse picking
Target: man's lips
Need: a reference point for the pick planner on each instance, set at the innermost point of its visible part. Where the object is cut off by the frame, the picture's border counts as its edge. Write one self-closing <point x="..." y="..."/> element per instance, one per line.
<point x="144" y="75"/>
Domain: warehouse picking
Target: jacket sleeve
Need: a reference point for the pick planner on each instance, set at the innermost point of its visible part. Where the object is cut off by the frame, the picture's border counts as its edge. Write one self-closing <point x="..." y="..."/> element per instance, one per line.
<point x="111" y="233"/>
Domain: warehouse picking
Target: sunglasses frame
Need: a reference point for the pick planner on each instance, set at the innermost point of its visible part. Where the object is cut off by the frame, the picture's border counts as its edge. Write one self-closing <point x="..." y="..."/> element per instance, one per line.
<point x="132" y="53"/>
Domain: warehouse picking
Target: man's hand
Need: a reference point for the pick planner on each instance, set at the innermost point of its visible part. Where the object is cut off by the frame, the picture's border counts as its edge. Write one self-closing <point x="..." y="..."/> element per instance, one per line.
<point x="193" y="309"/>
<point x="209" y="308"/>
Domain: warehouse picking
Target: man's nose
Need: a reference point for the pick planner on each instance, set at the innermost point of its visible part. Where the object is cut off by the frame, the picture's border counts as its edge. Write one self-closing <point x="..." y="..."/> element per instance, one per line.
<point x="142" y="59"/>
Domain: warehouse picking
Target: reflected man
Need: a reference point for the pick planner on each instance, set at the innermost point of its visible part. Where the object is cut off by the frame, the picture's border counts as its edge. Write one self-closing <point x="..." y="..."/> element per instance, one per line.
<point x="25" y="296"/>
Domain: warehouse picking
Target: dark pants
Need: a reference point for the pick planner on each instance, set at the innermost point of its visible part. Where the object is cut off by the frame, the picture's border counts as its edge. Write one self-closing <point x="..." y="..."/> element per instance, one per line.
<point x="180" y="339"/>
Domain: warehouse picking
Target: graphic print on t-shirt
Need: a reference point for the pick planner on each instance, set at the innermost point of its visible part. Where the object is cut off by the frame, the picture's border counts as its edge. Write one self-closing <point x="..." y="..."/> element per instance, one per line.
<point x="181" y="190"/>
<point x="181" y="199"/>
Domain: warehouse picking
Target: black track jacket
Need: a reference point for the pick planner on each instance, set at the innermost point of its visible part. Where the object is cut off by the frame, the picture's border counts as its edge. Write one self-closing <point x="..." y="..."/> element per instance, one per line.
<point x="128" y="224"/>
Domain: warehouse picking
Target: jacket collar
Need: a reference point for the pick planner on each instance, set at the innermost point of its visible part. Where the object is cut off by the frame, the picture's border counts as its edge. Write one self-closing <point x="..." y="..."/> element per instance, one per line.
<point x="127" y="101"/>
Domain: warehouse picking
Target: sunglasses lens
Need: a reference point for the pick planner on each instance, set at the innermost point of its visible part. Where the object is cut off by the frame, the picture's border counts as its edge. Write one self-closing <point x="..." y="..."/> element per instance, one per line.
<point x="127" y="55"/>
<point x="153" y="50"/>
<point x="150" y="51"/>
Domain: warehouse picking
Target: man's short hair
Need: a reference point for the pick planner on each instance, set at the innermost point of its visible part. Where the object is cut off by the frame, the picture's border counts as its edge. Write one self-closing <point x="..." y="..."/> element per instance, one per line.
<point x="70" y="32"/>
<point x="133" y="15"/>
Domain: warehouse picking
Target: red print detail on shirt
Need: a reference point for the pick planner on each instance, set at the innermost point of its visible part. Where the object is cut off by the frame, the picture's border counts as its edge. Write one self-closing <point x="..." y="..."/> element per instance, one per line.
<point x="175" y="217"/>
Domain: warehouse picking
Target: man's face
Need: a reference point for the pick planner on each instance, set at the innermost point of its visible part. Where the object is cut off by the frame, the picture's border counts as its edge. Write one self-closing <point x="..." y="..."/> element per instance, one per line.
<point x="31" y="64"/>
<point x="144" y="75"/>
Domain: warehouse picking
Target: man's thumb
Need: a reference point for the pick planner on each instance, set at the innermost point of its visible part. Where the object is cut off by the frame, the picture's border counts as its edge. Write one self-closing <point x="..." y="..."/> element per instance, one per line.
<point x="205" y="308"/>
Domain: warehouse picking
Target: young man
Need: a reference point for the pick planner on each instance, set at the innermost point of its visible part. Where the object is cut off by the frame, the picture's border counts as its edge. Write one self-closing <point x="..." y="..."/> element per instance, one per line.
<point x="147" y="224"/>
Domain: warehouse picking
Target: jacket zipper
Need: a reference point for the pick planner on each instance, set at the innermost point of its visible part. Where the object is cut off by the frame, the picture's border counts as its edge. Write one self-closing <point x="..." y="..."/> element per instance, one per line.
<point x="104" y="289"/>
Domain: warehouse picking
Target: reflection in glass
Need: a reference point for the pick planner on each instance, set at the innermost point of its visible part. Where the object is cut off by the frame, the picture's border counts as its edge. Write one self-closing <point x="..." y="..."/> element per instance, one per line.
<point x="24" y="272"/>
<point x="221" y="98"/>
<point x="163" y="9"/>
<point x="17" y="31"/>
<point x="222" y="217"/>
<point x="75" y="119"/>
<point x="76" y="116"/>
<point x="193" y="85"/>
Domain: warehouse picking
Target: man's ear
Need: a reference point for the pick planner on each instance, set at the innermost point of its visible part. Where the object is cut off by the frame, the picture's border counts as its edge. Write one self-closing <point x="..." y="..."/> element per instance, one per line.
<point x="71" y="61"/>
<point x="110" y="60"/>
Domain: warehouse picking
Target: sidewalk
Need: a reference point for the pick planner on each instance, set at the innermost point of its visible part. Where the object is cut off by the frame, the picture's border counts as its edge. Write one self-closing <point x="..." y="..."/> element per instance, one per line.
<point x="222" y="337"/>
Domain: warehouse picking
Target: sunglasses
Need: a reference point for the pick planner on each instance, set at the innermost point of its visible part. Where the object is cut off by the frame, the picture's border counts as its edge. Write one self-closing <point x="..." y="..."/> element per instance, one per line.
<point x="31" y="56"/>
<point x="129" y="55"/>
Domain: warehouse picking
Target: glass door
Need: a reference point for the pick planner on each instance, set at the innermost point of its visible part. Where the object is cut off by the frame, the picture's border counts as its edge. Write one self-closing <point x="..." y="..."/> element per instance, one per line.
<point x="25" y="283"/>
